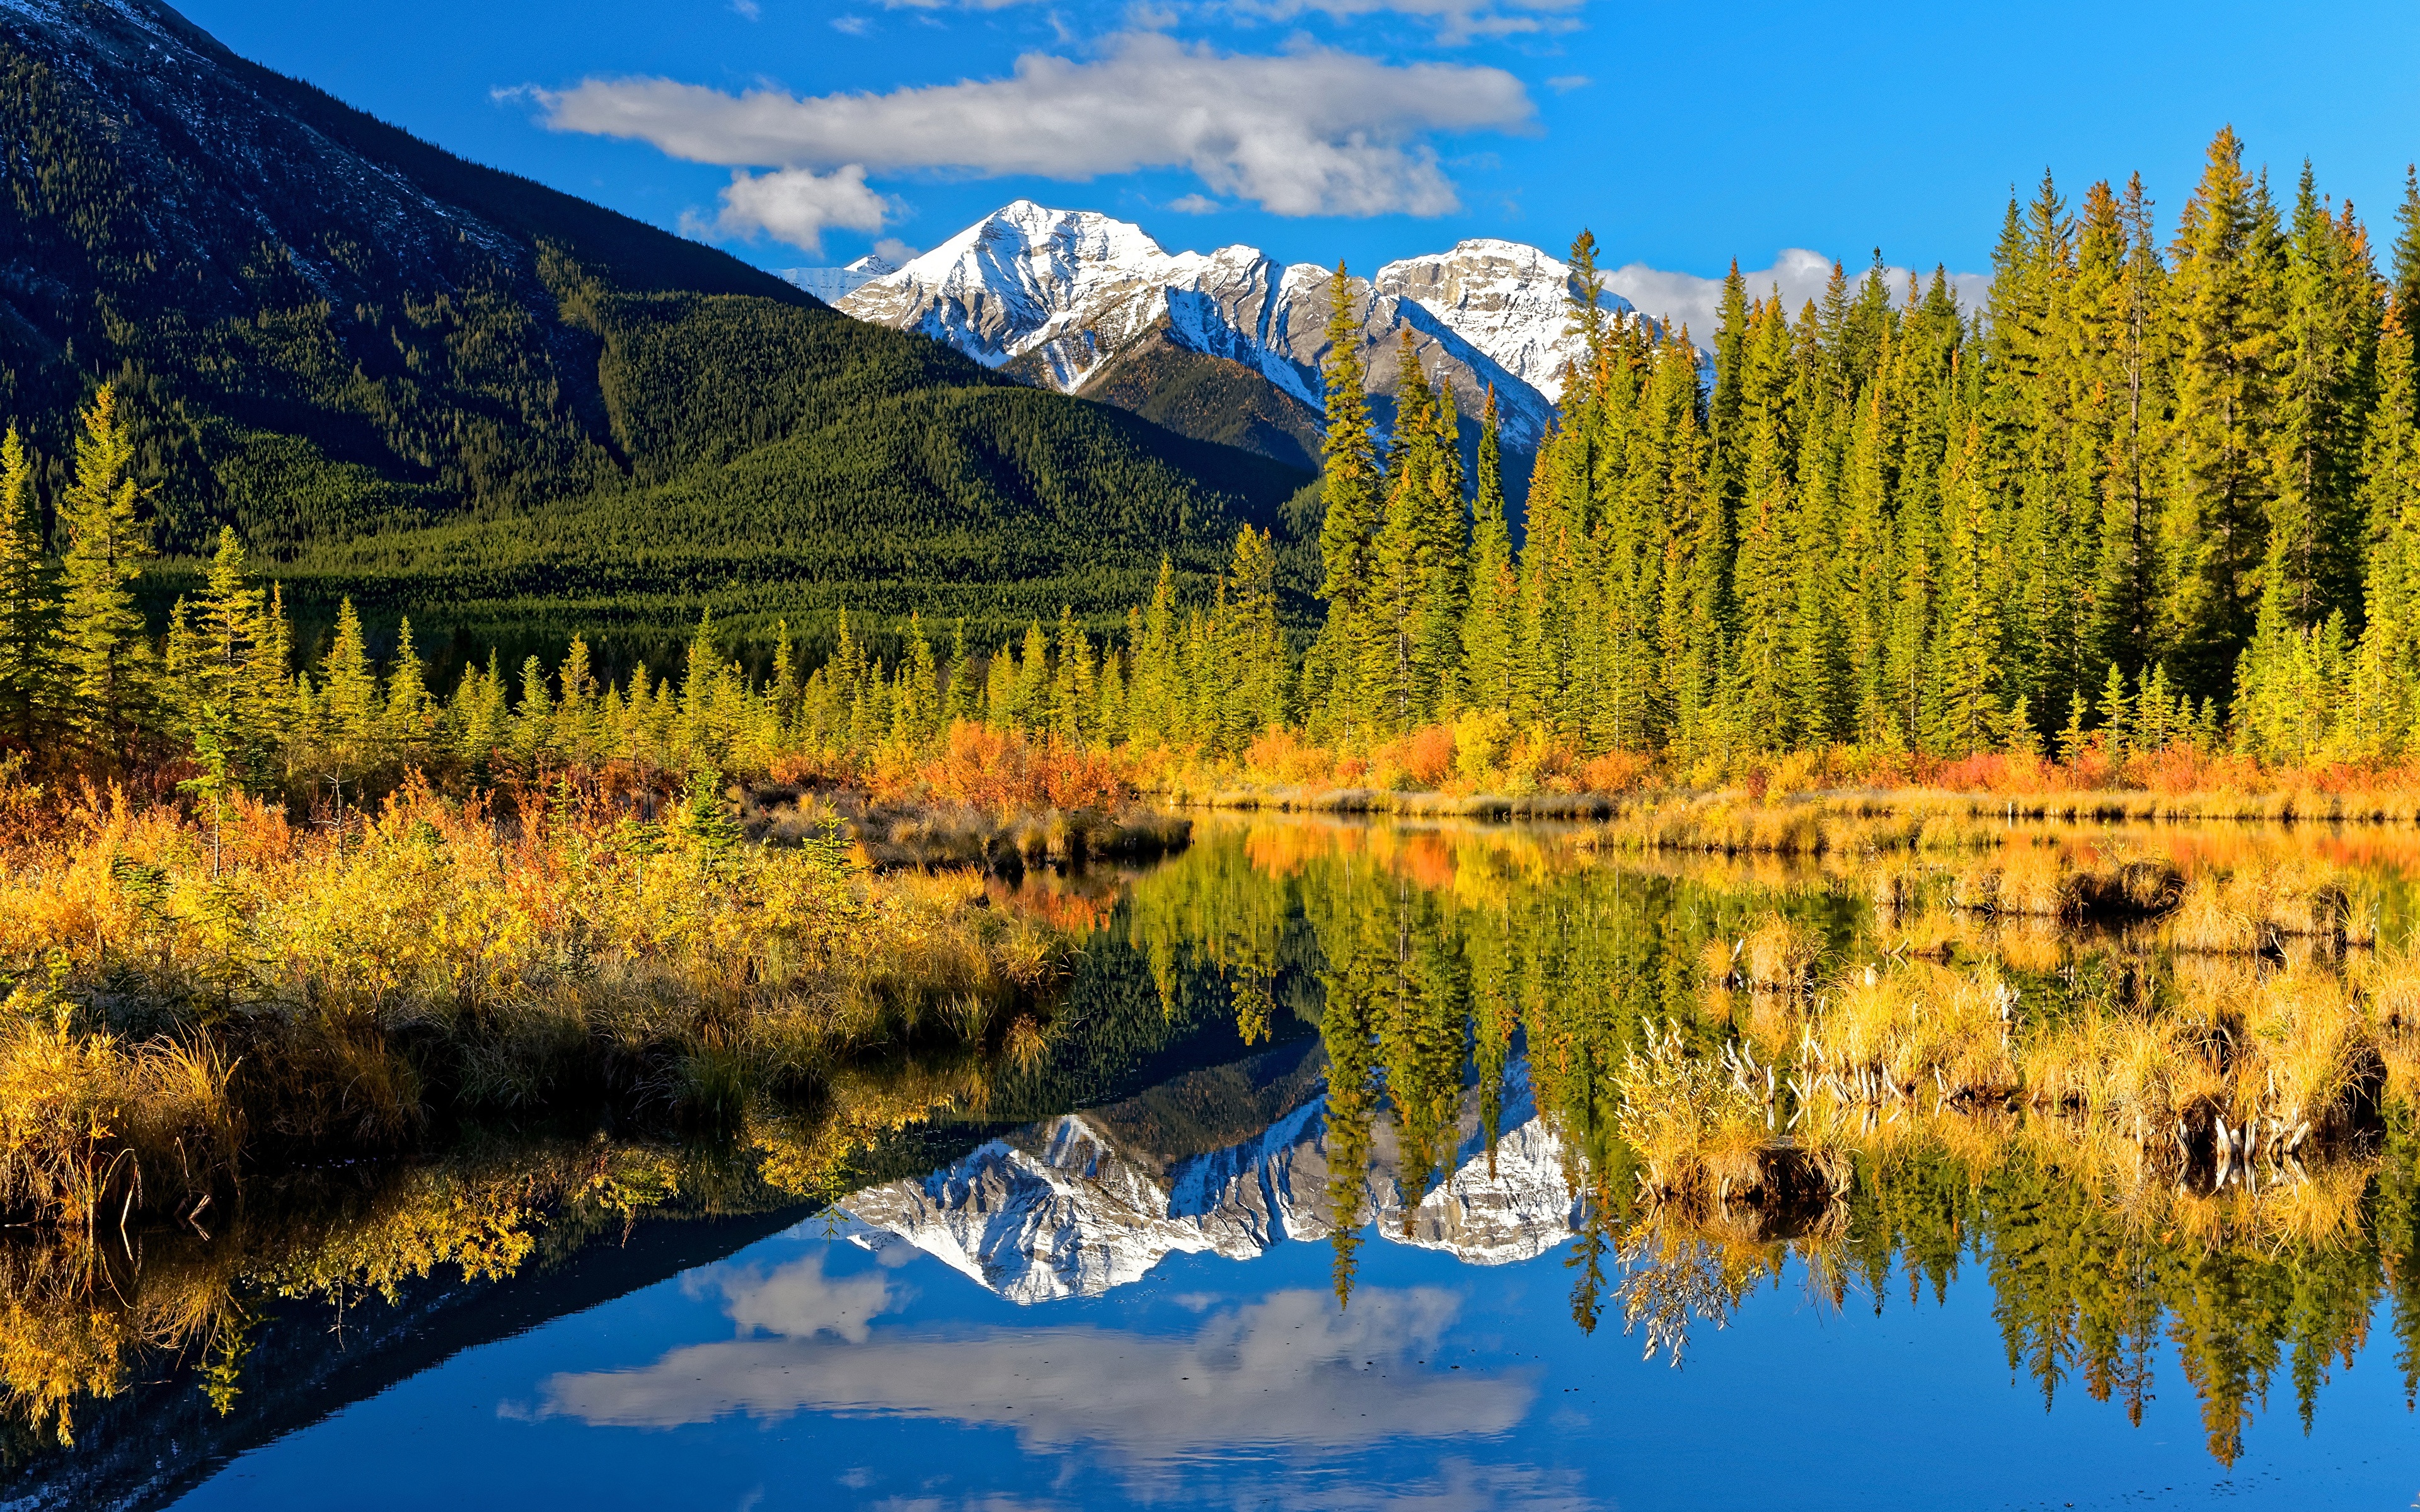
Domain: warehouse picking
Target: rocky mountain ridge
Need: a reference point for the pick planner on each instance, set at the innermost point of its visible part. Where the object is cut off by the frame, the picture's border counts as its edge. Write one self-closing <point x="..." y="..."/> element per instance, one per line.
<point x="1058" y="296"/>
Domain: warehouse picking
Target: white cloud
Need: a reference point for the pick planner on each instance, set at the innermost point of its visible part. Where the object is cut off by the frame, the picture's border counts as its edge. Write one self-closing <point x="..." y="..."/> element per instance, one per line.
<point x="1309" y="131"/>
<point x="1799" y="274"/>
<point x="798" y="206"/>
<point x="1563" y="83"/>
<point x="894" y="252"/>
<point x="1195" y="205"/>
<point x="851" y="26"/>
<point x="1456" y="21"/>
<point x="749" y="9"/>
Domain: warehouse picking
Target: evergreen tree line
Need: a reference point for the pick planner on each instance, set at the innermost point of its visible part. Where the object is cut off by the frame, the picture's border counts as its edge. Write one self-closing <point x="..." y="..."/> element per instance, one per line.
<point x="86" y="685"/>
<point x="2163" y="491"/>
<point x="2153" y="495"/>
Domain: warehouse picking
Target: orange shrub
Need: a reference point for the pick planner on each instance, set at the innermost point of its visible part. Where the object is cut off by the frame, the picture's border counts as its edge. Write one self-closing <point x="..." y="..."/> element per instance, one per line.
<point x="1285" y="758"/>
<point x="1428" y="755"/>
<point x="1004" y="772"/>
<point x="1618" y="771"/>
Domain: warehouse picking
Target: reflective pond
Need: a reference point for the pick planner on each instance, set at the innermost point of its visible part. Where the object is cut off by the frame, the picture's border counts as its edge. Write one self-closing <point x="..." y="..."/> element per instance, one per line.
<point x="1407" y="1166"/>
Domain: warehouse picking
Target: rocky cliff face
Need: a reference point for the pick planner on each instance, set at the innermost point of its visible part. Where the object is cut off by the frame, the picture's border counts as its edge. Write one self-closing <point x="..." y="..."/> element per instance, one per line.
<point x="1061" y="295"/>
<point x="1060" y="1208"/>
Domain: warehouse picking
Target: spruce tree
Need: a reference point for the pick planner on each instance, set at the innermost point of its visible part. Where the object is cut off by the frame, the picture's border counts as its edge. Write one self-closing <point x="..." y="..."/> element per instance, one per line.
<point x="1487" y="623"/>
<point x="29" y="606"/>
<point x="1253" y="644"/>
<point x="1352" y="510"/>
<point x="108" y="654"/>
<point x="350" y="709"/>
<point x="410" y="710"/>
<point x="957" y="697"/>
<point x="1968" y="653"/>
<point x="2325" y="361"/>
<point x="2229" y="288"/>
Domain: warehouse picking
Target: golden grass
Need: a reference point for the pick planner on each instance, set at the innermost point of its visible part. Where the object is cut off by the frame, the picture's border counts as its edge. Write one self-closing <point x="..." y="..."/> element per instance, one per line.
<point x="333" y="987"/>
<point x="2233" y="1074"/>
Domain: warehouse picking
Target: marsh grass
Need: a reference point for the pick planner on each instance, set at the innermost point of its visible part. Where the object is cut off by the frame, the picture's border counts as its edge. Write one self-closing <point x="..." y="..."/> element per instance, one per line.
<point x="937" y="834"/>
<point x="180" y="1010"/>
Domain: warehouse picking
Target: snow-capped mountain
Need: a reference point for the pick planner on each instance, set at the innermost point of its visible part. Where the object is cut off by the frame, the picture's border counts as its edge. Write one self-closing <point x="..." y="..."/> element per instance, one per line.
<point x="1063" y="295"/>
<point x="1059" y="1209"/>
<point x="832" y="284"/>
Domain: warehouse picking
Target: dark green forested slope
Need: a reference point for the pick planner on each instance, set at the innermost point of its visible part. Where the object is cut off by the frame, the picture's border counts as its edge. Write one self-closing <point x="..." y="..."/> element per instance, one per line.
<point x="784" y="461"/>
<point x="1214" y="398"/>
<point x="453" y="391"/>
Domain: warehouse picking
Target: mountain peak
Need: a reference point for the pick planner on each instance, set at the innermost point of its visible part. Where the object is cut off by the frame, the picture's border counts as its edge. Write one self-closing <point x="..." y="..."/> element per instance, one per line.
<point x="1063" y="293"/>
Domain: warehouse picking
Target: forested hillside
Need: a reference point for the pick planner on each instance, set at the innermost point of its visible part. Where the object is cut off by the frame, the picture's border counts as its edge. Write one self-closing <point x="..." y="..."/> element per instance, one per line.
<point x="437" y="386"/>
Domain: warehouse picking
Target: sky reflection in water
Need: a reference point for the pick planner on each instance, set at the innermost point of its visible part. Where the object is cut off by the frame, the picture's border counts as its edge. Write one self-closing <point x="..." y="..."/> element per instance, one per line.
<point x="1135" y="1305"/>
<point x="807" y="1371"/>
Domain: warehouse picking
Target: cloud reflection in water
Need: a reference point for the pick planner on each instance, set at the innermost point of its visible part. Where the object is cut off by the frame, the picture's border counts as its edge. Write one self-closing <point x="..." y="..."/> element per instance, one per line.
<point x="1283" y="1378"/>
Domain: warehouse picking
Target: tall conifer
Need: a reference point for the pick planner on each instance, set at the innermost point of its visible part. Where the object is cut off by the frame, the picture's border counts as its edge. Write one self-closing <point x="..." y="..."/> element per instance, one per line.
<point x="109" y="661"/>
<point x="29" y="606"/>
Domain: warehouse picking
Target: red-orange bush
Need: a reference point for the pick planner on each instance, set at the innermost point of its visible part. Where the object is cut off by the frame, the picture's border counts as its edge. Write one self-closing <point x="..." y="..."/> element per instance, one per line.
<point x="1005" y="773"/>
<point x="1428" y="755"/>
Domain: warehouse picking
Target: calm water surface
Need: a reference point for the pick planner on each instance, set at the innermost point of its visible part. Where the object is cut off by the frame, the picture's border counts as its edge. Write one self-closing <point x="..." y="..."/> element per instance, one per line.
<point x="1318" y="1200"/>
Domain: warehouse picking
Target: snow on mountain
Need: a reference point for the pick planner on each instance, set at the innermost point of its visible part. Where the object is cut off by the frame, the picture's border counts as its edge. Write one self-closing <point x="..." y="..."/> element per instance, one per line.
<point x="1505" y="298"/>
<point x="1063" y="293"/>
<point x="1057" y="1209"/>
<point x="832" y="284"/>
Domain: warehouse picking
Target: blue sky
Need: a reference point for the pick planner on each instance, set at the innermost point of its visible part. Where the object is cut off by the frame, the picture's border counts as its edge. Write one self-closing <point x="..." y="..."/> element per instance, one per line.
<point x="1682" y="135"/>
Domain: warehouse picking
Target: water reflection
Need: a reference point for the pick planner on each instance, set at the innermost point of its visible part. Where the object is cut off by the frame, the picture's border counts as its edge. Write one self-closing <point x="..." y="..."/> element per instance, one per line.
<point x="1712" y="1072"/>
<point x="1485" y="1111"/>
<point x="1288" y="1372"/>
<point x="1072" y="1206"/>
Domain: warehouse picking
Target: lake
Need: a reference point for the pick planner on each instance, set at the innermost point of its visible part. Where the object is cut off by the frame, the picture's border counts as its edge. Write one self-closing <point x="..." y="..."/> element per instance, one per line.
<point x="1395" y="1165"/>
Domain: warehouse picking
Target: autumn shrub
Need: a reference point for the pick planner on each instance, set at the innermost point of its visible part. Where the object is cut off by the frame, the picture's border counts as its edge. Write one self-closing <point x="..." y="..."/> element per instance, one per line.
<point x="1428" y="755"/>
<point x="178" y="986"/>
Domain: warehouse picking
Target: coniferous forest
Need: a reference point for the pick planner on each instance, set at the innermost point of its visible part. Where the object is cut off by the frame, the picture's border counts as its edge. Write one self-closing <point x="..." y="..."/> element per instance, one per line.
<point x="2162" y="484"/>
<point x="2161" y="493"/>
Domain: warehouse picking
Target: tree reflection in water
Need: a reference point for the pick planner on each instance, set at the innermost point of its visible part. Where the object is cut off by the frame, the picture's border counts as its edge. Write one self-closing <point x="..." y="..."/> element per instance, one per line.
<point x="1861" y="1069"/>
<point x="1870" y="1075"/>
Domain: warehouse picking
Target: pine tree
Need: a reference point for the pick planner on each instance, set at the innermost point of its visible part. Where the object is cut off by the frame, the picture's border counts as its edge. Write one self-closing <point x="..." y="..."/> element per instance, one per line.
<point x="1727" y="460"/>
<point x="1865" y="554"/>
<point x="348" y="713"/>
<point x="957" y="698"/>
<point x="1253" y="645"/>
<point x="410" y="711"/>
<point x="2228" y="285"/>
<point x="1762" y="580"/>
<point x="1968" y="670"/>
<point x="1349" y="496"/>
<point x="212" y="687"/>
<point x="2121" y="301"/>
<point x="2326" y="360"/>
<point x="2116" y="710"/>
<point x="28" y="606"/>
<point x="108" y="654"/>
<point x="1151" y="697"/>
<point x="575" y="732"/>
<point x="918" y="714"/>
<point x="1487" y="625"/>
<point x="1695" y="602"/>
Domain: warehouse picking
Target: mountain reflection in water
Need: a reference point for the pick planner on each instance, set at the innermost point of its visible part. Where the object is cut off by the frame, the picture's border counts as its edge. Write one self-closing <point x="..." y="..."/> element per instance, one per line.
<point x="1370" y="1166"/>
<point x="1060" y="1209"/>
